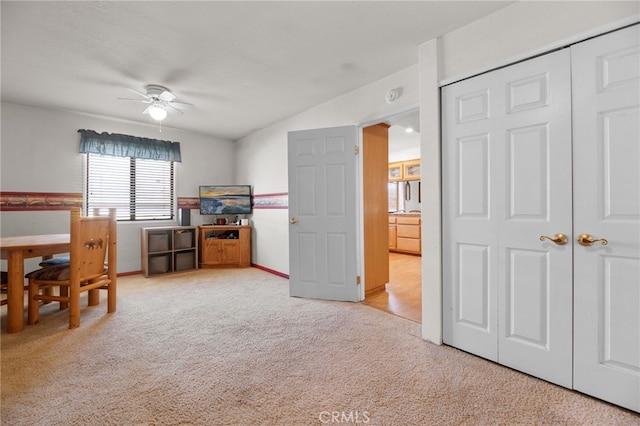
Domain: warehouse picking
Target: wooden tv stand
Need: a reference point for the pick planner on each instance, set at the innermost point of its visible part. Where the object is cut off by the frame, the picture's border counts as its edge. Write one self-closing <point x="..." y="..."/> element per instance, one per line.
<point x="224" y="246"/>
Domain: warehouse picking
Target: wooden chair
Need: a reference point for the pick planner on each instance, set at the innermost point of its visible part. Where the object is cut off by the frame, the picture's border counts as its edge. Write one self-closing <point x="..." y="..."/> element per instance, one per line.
<point x="93" y="240"/>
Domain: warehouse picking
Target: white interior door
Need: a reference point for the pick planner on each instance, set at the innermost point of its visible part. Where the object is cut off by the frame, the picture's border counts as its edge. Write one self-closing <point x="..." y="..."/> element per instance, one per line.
<point x="606" y="109"/>
<point x="507" y="182"/>
<point x="322" y="214"/>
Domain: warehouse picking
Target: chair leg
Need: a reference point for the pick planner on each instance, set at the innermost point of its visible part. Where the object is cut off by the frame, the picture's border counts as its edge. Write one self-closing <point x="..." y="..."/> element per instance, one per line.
<point x="64" y="292"/>
<point x="33" y="314"/>
<point x="74" y="308"/>
<point x="93" y="297"/>
<point x="111" y="297"/>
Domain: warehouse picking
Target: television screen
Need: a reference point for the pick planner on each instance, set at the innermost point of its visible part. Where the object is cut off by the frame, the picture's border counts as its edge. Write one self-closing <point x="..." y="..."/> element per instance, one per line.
<point x="225" y="199"/>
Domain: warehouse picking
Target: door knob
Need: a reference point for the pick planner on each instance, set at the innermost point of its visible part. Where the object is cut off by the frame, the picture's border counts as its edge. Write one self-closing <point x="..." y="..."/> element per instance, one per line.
<point x="587" y="240"/>
<point x="293" y="221"/>
<point x="559" y="239"/>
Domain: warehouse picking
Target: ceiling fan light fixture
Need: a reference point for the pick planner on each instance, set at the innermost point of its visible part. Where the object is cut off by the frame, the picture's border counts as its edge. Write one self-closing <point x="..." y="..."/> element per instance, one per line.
<point x="157" y="112"/>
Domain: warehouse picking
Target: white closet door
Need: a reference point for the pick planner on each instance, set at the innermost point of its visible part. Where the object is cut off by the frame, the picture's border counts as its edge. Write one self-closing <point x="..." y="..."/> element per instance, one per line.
<point x="470" y="240"/>
<point x="535" y="281"/>
<point x="606" y="108"/>
<point x="507" y="182"/>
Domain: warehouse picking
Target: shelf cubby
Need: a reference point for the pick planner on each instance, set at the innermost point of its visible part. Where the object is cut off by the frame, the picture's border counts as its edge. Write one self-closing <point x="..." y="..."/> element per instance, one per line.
<point x="169" y="249"/>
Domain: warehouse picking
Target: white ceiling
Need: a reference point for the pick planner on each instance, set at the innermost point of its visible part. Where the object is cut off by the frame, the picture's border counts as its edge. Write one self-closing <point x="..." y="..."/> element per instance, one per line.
<point x="244" y="65"/>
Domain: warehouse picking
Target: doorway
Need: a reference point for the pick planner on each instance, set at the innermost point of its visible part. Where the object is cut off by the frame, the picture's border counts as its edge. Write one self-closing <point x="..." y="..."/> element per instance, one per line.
<point x="402" y="294"/>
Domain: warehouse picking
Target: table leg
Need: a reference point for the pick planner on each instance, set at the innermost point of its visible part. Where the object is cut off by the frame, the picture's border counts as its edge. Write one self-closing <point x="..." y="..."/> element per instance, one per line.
<point x="15" y="292"/>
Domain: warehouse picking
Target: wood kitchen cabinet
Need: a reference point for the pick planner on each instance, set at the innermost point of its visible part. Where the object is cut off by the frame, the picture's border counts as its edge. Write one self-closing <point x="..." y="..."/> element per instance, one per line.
<point x="224" y="245"/>
<point x="395" y="171"/>
<point x="407" y="232"/>
<point x="404" y="170"/>
<point x="411" y="170"/>
<point x="392" y="232"/>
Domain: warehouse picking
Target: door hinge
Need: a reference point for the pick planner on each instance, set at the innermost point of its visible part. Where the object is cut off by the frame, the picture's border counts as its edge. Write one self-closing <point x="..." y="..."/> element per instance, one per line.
<point x="356" y="149"/>
<point x="358" y="280"/>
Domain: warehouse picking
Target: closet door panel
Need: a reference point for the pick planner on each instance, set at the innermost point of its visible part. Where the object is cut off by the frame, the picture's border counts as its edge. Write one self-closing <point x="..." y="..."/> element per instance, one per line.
<point x="470" y="298"/>
<point x="535" y="281"/>
<point x="528" y="181"/>
<point x="606" y="123"/>
<point x="507" y="179"/>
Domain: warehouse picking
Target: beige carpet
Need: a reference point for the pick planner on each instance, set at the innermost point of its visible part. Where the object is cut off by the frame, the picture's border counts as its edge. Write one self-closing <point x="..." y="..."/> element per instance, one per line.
<point x="229" y="347"/>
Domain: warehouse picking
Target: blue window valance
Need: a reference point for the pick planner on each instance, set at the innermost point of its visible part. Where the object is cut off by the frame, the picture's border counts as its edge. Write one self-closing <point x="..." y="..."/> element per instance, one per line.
<point x="128" y="146"/>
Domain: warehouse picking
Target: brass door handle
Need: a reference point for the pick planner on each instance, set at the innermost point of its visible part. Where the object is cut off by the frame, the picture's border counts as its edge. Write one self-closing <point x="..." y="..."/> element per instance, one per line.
<point x="559" y="239"/>
<point x="587" y="240"/>
<point x="293" y="221"/>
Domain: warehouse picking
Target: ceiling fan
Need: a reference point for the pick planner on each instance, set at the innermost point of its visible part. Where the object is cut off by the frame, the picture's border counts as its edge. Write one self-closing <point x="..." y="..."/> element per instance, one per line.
<point x="161" y="102"/>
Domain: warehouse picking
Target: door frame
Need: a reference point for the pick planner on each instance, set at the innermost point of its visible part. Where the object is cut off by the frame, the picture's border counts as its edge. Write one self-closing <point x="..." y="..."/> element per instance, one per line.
<point x="360" y="186"/>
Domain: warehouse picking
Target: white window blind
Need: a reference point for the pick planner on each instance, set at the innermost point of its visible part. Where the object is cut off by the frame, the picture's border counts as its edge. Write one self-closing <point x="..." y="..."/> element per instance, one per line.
<point x="139" y="189"/>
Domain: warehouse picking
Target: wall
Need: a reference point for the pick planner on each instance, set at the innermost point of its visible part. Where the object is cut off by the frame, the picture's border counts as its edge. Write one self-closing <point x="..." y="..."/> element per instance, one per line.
<point x="521" y="30"/>
<point x="262" y="156"/>
<point x="39" y="153"/>
<point x="525" y="29"/>
<point x="409" y="141"/>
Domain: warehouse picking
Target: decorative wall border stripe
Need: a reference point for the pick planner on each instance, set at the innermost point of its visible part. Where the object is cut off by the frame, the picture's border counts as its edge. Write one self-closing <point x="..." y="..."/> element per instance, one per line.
<point x="192" y="203"/>
<point x="279" y="200"/>
<point x="28" y="201"/>
<point x="31" y="201"/>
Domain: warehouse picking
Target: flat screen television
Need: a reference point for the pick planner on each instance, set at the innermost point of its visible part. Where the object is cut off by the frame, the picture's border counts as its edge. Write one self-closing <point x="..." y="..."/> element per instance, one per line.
<point x="225" y="199"/>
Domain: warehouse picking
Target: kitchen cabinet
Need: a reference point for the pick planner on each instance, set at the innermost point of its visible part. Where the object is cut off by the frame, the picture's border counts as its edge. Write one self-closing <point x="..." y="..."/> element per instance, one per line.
<point x="406" y="233"/>
<point x="392" y="232"/>
<point x="395" y="172"/>
<point x="404" y="170"/>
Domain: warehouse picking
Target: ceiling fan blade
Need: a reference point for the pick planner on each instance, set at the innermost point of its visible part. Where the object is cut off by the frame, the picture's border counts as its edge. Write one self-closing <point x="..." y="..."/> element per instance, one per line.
<point x="146" y="110"/>
<point x="181" y="105"/>
<point x="144" y="101"/>
<point x="137" y="92"/>
<point x="166" y="96"/>
<point x="171" y="110"/>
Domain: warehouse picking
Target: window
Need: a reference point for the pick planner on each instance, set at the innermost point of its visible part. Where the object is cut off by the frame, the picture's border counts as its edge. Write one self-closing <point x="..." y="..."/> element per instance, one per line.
<point x="404" y="196"/>
<point x="140" y="189"/>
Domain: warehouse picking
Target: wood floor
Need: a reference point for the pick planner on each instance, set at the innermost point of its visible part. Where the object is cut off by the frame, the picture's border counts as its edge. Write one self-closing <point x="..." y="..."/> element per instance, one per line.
<point x="403" y="294"/>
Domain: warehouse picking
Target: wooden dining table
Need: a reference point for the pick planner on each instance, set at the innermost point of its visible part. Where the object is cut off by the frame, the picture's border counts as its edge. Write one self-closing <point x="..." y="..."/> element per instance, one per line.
<point x="15" y="250"/>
